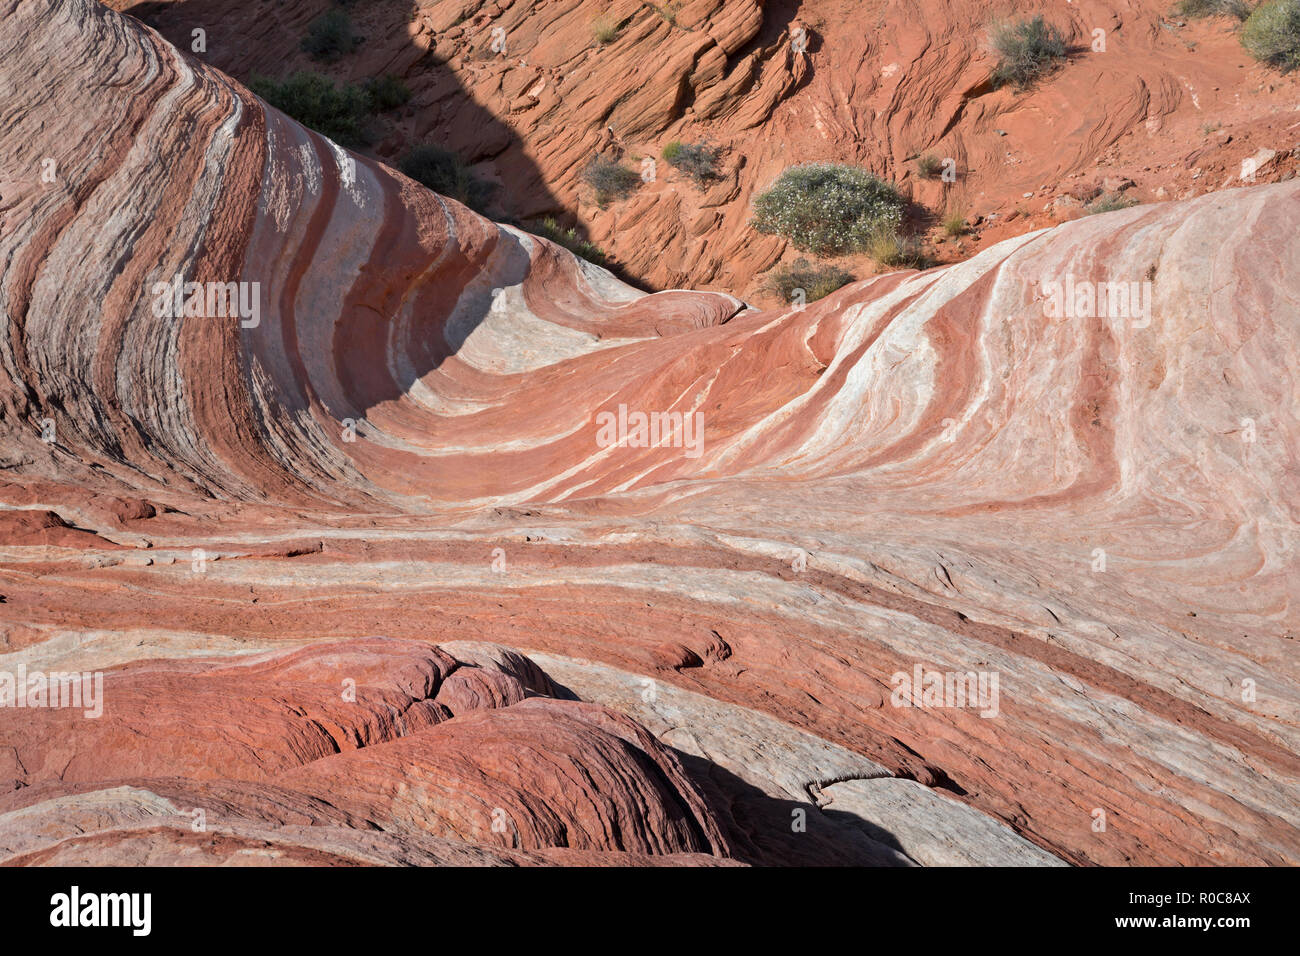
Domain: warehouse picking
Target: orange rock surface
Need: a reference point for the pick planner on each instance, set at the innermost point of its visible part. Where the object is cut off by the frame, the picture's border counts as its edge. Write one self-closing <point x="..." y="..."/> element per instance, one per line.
<point x="527" y="92"/>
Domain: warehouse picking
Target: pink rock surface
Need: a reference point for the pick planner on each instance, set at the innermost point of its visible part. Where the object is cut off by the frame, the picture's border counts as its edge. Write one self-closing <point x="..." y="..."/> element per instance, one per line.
<point x="350" y="735"/>
<point x="924" y="468"/>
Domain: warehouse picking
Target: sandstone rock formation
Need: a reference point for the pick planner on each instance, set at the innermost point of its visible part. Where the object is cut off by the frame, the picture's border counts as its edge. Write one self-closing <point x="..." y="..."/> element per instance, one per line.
<point x="364" y="585"/>
<point x="528" y="92"/>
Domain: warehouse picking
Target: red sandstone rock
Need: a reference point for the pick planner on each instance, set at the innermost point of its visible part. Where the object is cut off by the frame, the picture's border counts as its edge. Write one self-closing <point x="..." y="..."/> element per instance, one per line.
<point x="349" y="735"/>
<point x="925" y="469"/>
<point x="527" y="93"/>
<point x="27" y="527"/>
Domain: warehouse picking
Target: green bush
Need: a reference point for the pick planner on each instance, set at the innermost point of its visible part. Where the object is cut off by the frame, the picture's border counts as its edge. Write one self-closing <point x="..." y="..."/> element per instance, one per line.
<point x="1109" y="202"/>
<point x="387" y="93"/>
<point x="1028" y="49"/>
<point x="611" y="180"/>
<point x="313" y="100"/>
<point x="1271" y="34"/>
<point x="817" y="280"/>
<point x="889" y="247"/>
<point x="697" y="160"/>
<point x="827" y="209"/>
<point x="1213" y="8"/>
<point x="569" y="238"/>
<point x="444" y="173"/>
<point x="954" y="223"/>
<point x="329" y="36"/>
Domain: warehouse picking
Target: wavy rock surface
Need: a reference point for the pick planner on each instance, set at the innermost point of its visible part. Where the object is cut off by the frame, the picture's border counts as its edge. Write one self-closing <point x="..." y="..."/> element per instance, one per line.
<point x="925" y="469"/>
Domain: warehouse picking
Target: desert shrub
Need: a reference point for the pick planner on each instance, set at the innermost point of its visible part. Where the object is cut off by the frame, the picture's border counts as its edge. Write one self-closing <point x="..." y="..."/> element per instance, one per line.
<point x="827" y="209"/>
<point x="929" y="166"/>
<point x="890" y="247"/>
<point x="1213" y="8"/>
<point x="387" y="92"/>
<point x="668" y="12"/>
<point x="1027" y="49"/>
<point x="697" y="160"/>
<point x="606" y="30"/>
<point x="339" y="112"/>
<point x="611" y="180"/>
<point x="954" y="223"/>
<point x="329" y="36"/>
<point x="443" y="172"/>
<point x="570" y="239"/>
<point x="1271" y="34"/>
<point x="1109" y="202"/>
<point x="816" y="279"/>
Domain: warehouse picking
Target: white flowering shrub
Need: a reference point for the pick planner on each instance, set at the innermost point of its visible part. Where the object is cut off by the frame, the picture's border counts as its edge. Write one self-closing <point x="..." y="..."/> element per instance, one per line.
<point x="828" y="209"/>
